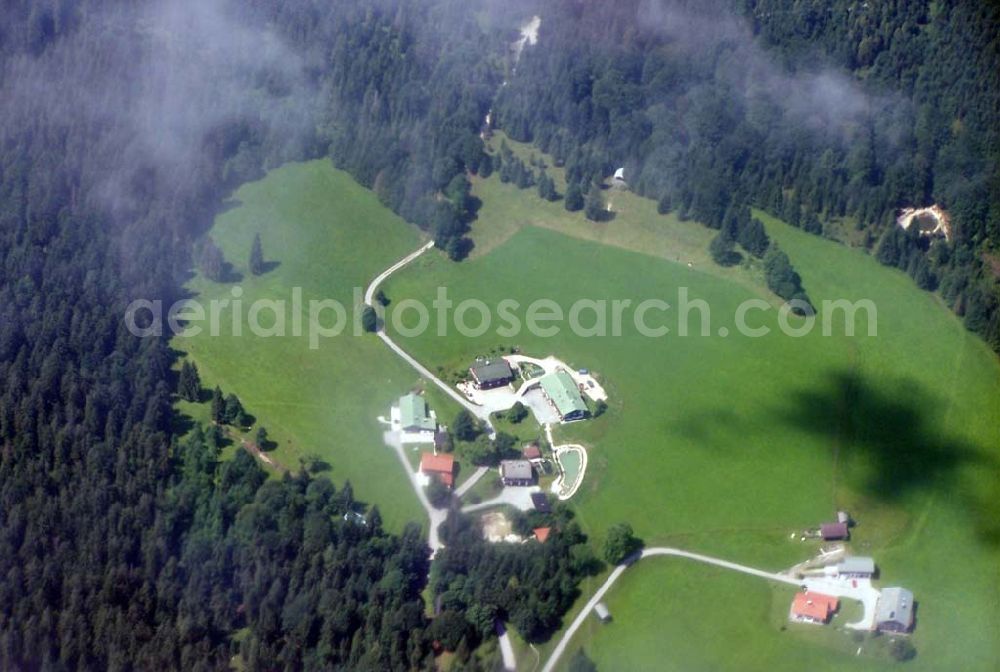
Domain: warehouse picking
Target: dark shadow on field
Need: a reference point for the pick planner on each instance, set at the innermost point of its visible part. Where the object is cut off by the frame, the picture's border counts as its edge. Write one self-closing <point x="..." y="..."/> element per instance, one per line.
<point x="711" y="429"/>
<point x="269" y="266"/>
<point x="230" y="274"/>
<point x="314" y="465"/>
<point x="892" y="426"/>
<point x="180" y="423"/>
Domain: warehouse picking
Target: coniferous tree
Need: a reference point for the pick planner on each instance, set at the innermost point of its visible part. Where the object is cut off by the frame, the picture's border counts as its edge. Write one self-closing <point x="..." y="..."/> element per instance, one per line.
<point x="189" y="382"/>
<point x="665" y="204"/>
<point x="574" y="198"/>
<point x="781" y="277"/>
<point x="256" y="256"/>
<point x="211" y="263"/>
<point x="594" y="206"/>
<point x="547" y="187"/>
<point x="753" y="238"/>
<point x="369" y="319"/>
<point x="465" y="427"/>
<point x="722" y="250"/>
<point x="233" y="412"/>
<point x="218" y="406"/>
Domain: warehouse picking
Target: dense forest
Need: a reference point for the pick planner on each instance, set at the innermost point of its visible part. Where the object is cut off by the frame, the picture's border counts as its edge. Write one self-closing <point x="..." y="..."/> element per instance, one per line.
<point x="124" y="128"/>
<point x="121" y="546"/>
<point x="831" y="116"/>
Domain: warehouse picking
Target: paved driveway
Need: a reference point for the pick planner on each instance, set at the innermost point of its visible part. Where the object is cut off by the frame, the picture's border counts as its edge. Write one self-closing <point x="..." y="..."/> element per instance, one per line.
<point x="518" y="497"/>
<point x="540" y="406"/>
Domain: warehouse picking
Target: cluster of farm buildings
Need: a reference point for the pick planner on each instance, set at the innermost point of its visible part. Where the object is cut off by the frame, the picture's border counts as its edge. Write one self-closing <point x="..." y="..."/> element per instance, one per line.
<point x="560" y="390"/>
<point x="418" y="424"/>
<point x="895" y="610"/>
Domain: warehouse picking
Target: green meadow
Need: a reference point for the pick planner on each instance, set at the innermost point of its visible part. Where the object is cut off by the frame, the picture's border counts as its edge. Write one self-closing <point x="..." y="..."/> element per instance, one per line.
<point x="324" y="233"/>
<point x="720" y="444"/>
<point x="729" y="444"/>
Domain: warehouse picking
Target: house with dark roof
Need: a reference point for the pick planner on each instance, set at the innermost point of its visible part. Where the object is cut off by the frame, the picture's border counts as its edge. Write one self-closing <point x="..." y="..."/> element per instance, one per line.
<point x="810" y="607"/>
<point x="561" y="391"/>
<point x="834" y="531"/>
<point x="895" y="610"/>
<point x="441" y="467"/>
<point x="541" y="502"/>
<point x="491" y="373"/>
<point x="517" y="472"/>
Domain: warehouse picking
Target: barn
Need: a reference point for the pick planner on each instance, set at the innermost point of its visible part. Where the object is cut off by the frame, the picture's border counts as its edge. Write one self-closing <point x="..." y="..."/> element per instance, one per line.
<point x="895" y="610"/>
<point x="856" y="567"/>
<point x="834" y="531"/>
<point x="563" y="394"/>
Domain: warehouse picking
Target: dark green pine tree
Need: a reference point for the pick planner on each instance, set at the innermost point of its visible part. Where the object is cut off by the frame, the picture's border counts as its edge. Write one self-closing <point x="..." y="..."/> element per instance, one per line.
<point x="369" y="319"/>
<point x="465" y="427"/>
<point x="594" y="207"/>
<point x="574" y="198"/>
<point x="256" y="256"/>
<point x="260" y="438"/>
<point x="525" y="176"/>
<point x="546" y="187"/>
<point x="211" y="263"/>
<point x="218" y="406"/>
<point x="665" y="204"/>
<point x="189" y="383"/>
<point x="232" y="412"/>
<point x="754" y="238"/>
<point x="722" y="251"/>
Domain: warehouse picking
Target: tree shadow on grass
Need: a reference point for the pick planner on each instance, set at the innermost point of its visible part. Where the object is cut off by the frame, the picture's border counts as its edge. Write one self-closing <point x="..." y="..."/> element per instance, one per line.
<point x="230" y="274"/>
<point x="892" y="426"/>
<point x="181" y="423"/>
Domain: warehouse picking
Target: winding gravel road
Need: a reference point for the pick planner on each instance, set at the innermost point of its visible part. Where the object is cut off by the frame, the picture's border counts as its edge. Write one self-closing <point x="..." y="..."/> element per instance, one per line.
<point x="478" y="411"/>
<point x="646" y="553"/>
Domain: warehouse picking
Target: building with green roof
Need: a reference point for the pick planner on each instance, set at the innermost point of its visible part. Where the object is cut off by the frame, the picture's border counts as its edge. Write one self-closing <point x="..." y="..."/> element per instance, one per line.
<point x="414" y="415"/>
<point x="562" y="392"/>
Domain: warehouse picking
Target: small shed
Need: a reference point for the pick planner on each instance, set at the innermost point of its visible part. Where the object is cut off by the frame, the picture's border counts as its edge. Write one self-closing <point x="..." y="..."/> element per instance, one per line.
<point x="532" y="452"/>
<point x="602" y="612"/>
<point x="844" y="517"/>
<point x="833" y="531"/>
<point x="540" y="502"/>
<point x="542" y="534"/>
